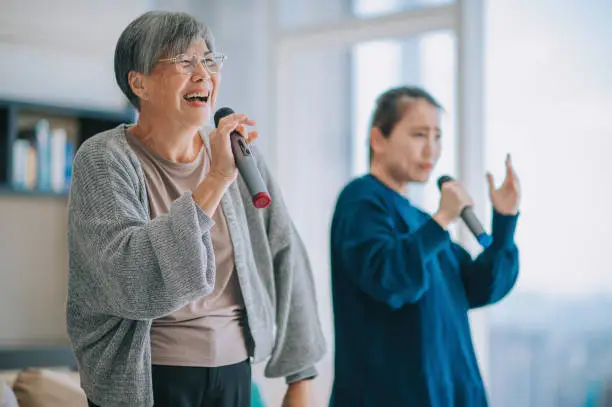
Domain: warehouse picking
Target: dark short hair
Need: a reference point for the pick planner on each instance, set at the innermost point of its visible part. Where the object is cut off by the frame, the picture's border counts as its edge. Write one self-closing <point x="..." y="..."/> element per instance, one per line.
<point x="390" y="107"/>
<point x="155" y="35"/>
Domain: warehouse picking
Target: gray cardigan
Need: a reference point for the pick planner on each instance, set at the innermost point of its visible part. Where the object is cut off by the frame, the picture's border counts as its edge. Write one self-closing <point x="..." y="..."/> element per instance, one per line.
<point x="126" y="270"/>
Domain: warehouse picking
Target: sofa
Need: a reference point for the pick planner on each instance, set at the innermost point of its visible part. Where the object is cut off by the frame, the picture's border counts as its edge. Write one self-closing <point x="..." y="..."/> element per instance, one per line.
<point x="41" y="387"/>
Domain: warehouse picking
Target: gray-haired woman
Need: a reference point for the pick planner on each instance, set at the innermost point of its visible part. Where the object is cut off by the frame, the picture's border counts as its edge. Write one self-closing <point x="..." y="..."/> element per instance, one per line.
<point x="177" y="283"/>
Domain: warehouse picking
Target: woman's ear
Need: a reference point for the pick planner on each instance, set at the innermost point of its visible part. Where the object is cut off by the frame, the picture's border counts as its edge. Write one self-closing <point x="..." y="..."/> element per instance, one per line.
<point x="137" y="84"/>
<point x="376" y="139"/>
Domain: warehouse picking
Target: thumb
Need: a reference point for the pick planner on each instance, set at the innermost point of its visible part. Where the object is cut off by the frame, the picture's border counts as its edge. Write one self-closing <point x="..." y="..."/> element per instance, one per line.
<point x="490" y="182"/>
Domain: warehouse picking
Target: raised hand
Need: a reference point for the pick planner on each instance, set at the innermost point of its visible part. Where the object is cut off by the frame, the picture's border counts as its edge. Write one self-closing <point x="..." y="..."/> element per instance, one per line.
<point x="506" y="199"/>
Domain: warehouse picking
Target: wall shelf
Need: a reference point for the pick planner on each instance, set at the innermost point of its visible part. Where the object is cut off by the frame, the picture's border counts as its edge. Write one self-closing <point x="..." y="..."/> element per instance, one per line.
<point x="9" y="190"/>
<point x="38" y="143"/>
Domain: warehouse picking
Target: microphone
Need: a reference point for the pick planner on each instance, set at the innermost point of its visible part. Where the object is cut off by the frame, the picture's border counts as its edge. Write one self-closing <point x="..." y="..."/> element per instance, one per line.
<point x="470" y="219"/>
<point x="245" y="162"/>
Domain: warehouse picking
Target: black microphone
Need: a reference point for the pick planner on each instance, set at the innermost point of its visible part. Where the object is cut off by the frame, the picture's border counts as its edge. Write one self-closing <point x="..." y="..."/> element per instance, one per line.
<point x="245" y="162"/>
<point x="470" y="219"/>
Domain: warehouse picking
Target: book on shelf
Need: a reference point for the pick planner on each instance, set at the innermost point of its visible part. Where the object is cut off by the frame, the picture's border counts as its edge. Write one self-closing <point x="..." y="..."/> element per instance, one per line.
<point x="42" y="159"/>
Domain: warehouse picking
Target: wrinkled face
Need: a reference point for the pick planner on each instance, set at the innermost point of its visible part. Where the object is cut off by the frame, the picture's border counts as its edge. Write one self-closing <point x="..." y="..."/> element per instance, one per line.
<point x="413" y="148"/>
<point x="181" y="89"/>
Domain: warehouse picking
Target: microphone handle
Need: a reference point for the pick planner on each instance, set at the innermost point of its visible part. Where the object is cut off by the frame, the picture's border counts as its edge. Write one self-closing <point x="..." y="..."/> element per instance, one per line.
<point x="245" y="162"/>
<point x="472" y="222"/>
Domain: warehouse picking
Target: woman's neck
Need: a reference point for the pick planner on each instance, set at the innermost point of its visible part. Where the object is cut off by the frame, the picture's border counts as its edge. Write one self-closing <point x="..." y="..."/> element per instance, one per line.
<point x="174" y="142"/>
<point x="384" y="177"/>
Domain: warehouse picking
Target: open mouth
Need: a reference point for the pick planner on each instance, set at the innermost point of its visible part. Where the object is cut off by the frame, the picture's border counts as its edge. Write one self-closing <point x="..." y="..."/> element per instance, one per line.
<point x="197" y="97"/>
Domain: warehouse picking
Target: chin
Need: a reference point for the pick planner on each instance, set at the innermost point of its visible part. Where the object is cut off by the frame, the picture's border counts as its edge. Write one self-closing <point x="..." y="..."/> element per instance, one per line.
<point x="421" y="178"/>
<point x="200" y="117"/>
<point x="418" y="181"/>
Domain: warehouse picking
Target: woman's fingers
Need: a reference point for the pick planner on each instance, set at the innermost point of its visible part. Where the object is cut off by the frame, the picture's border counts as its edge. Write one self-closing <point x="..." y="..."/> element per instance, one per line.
<point x="253" y="135"/>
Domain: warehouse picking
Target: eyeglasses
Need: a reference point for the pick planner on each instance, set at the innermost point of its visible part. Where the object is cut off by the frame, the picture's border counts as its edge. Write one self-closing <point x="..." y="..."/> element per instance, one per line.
<point x="187" y="65"/>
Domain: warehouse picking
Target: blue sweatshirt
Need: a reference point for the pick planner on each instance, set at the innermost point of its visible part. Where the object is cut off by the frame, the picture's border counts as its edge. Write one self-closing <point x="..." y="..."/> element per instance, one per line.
<point x="401" y="293"/>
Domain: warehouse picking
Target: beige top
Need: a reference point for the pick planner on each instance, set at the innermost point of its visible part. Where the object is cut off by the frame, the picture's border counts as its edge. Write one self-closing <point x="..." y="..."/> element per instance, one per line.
<point x="210" y="331"/>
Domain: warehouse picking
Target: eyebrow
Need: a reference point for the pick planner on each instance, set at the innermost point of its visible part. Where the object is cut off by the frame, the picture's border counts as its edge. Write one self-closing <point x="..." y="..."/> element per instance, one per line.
<point x="197" y="53"/>
<point x="426" y="128"/>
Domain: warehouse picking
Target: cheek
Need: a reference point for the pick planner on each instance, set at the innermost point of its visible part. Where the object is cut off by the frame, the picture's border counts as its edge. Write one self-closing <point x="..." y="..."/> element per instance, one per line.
<point x="216" y="80"/>
<point x="412" y="149"/>
<point x="406" y="154"/>
<point x="171" y="86"/>
<point x="437" y="151"/>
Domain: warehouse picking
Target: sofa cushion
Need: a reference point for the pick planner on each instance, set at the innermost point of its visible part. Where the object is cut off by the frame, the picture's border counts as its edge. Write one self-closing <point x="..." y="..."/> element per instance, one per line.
<point x="46" y="388"/>
<point x="8" y="376"/>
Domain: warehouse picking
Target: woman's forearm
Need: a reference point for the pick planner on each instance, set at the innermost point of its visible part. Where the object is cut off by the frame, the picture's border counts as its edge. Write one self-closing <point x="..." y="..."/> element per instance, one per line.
<point x="209" y="193"/>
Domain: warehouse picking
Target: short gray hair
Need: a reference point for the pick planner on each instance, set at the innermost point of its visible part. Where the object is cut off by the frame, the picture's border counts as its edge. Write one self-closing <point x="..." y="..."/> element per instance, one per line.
<point x="155" y="35"/>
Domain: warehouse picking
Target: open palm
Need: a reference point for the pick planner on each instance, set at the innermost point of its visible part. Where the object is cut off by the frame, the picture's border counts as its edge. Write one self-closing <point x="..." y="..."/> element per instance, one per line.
<point x="506" y="198"/>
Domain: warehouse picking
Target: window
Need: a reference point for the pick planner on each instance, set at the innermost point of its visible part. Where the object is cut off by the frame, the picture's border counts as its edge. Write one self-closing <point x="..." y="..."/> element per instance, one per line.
<point x="549" y="102"/>
<point x="372" y="8"/>
<point x="304" y="13"/>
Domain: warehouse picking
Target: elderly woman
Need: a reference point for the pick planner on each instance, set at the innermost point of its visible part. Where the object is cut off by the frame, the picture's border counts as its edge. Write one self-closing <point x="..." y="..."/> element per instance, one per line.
<point x="177" y="283"/>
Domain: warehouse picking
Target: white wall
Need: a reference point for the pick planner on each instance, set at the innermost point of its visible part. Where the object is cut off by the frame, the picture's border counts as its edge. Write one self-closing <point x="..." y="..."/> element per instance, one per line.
<point x="33" y="269"/>
<point x="314" y="161"/>
<point x="62" y="51"/>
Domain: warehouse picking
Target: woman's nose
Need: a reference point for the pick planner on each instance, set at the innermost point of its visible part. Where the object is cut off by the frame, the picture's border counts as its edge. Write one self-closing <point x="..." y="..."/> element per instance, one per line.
<point x="200" y="73"/>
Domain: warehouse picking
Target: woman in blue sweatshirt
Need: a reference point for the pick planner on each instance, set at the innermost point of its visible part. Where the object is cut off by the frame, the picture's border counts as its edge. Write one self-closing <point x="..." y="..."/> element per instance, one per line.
<point x="401" y="288"/>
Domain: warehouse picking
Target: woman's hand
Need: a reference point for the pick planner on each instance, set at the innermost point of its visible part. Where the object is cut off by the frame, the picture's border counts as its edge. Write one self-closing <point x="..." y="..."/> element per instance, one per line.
<point x="298" y="395"/>
<point x="223" y="166"/>
<point x="453" y="198"/>
<point x="506" y="199"/>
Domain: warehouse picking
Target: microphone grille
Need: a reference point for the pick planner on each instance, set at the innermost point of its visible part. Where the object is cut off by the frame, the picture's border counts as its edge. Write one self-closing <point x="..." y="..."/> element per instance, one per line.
<point x="443" y="179"/>
<point x="221" y="113"/>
